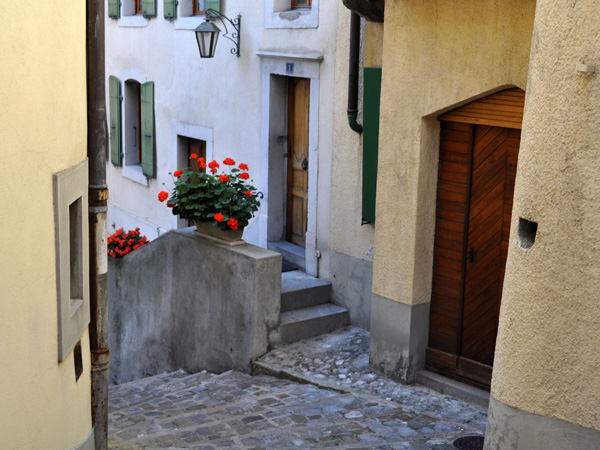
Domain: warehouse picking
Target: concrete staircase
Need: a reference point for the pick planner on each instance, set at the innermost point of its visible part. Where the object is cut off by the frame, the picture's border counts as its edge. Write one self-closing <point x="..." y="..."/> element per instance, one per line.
<point x="305" y="309"/>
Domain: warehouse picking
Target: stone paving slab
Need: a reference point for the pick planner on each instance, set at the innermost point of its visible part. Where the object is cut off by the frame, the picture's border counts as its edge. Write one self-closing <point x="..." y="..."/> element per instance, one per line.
<point x="238" y="411"/>
<point x="340" y="361"/>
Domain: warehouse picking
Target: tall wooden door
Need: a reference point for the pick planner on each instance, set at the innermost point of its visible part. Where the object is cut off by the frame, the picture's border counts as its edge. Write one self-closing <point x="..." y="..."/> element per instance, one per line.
<point x="297" y="174"/>
<point x="476" y="177"/>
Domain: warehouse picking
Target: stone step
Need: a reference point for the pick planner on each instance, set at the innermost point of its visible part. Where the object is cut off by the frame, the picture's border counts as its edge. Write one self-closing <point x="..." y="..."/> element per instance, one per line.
<point x="300" y="290"/>
<point x="308" y="322"/>
<point x="290" y="253"/>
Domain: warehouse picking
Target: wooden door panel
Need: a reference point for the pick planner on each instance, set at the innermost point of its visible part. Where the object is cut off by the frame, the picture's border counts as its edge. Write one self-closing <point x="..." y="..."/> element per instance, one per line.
<point x="298" y="152"/>
<point x="475" y="188"/>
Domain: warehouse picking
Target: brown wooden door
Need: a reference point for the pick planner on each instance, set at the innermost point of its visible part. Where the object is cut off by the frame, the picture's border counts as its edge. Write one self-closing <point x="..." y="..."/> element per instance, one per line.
<point x="297" y="175"/>
<point x="475" y="189"/>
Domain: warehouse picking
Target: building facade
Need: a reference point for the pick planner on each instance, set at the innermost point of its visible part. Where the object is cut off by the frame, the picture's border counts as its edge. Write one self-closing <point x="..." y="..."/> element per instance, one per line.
<point x="45" y="383"/>
<point x="484" y="265"/>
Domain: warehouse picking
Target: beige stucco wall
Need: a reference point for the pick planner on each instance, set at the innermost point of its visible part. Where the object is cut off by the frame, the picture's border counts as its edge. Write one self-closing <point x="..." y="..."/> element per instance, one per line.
<point x="436" y="55"/>
<point x="347" y="235"/>
<point x="42" y="131"/>
<point x="548" y="349"/>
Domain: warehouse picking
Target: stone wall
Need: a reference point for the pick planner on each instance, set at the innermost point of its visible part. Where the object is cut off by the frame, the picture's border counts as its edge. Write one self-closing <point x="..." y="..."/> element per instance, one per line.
<point x="185" y="302"/>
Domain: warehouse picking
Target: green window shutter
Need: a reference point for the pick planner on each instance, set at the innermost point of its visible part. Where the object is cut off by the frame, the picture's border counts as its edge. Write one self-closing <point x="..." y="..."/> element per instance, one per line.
<point x="170" y="9"/>
<point x="114" y="8"/>
<point x="114" y="89"/>
<point x="213" y="4"/>
<point x="147" y="100"/>
<point x="149" y="7"/>
<point x="371" y="101"/>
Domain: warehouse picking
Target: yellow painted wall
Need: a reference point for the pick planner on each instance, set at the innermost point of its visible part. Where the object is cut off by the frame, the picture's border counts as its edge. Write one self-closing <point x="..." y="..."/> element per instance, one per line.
<point x="548" y="349"/>
<point x="42" y="131"/>
<point x="350" y="237"/>
<point x="437" y="54"/>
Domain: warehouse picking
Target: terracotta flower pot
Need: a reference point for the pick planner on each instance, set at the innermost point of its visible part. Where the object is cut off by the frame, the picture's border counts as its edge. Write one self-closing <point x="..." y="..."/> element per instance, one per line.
<point x="230" y="237"/>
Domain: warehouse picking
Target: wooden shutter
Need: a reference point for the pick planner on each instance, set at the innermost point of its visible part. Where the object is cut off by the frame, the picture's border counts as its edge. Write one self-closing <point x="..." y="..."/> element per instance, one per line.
<point x="147" y="101"/>
<point x="114" y="89"/>
<point x="114" y="8"/>
<point x="372" y="97"/>
<point x="170" y="9"/>
<point x="149" y="8"/>
<point x="213" y="4"/>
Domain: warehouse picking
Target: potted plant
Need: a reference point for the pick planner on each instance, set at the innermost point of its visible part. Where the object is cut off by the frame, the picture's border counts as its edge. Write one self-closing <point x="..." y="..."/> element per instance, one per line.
<point x="219" y="204"/>
<point x="122" y="243"/>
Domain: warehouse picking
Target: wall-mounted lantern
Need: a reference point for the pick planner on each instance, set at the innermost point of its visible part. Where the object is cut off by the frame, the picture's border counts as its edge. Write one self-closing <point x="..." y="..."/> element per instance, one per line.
<point x="207" y="33"/>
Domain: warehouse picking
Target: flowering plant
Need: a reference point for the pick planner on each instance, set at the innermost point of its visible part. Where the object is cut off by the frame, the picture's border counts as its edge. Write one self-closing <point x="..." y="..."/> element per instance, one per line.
<point x="121" y="243"/>
<point x="225" y="199"/>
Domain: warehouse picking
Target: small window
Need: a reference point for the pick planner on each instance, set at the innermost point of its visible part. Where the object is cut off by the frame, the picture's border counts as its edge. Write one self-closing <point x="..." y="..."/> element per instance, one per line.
<point x="139" y="7"/>
<point x="133" y="132"/>
<point x="301" y="3"/>
<point x="199" y="7"/>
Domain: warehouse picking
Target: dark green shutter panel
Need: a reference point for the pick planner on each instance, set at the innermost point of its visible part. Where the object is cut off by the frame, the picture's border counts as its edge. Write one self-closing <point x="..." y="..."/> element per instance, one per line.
<point x="213" y="4"/>
<point x="170" y="9"/>
<point x="147" y="100"/>
<point x="371" y="101"/>
<point x="114" y="89"/>
<point x="114" y="7"/>
<point x="149" y="7"/>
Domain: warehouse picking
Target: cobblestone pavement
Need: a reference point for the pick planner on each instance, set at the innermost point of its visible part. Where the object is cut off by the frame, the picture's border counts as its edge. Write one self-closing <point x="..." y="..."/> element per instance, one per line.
<point x="239" y="411"/>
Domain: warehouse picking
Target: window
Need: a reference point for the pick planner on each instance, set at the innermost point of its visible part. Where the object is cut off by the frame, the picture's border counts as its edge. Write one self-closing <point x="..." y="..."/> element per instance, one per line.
<point x="188" y="14"/>
<point x="132" y="13"/>
<point x="199" y="7"/>
<point x="132" y="128"/>
<point x="138" y="7"/>
<point x="291" y="13"/>
<point x="301" y="3"/>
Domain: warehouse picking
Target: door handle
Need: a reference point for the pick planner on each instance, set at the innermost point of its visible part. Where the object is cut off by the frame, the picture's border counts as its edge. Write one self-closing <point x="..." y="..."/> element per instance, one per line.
<point x="305" y="164"/>
<point x="472" y="254"/>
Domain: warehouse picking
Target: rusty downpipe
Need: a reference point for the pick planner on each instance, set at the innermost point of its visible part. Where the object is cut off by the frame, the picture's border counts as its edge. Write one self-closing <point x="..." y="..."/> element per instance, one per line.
<point x="98" y="197"/>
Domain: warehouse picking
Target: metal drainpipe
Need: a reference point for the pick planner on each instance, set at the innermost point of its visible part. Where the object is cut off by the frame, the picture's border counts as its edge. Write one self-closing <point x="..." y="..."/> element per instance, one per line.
<point x="98" y="196"/>
<point x="353" y="73"/>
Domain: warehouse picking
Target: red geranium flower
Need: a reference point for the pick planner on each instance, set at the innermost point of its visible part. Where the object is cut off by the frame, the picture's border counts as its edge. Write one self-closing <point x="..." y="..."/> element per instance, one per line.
<point x="213" y="170"/>
<point x="243" y="166"/>
<point x="244" y="175"/>
<point x="229" y="162"/>
<point x="213" y="164"/>
<point x="162" y="196"/>
<point x="203" y="164"/>
<point x="193" y="156"/>
<point x="219" y="217"/>
<point x="248" y="193"/>
<point x="232" y="223"/>
<point x="178" y="173"/>
<point x="223" y="178"/>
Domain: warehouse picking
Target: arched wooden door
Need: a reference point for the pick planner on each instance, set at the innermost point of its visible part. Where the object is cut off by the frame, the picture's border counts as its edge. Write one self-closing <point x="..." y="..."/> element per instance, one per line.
<point x="479" y="145"/>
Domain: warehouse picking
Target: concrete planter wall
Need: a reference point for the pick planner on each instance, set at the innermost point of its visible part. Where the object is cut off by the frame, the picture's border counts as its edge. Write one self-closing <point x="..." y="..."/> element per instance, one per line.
<point x="184" y="302"/>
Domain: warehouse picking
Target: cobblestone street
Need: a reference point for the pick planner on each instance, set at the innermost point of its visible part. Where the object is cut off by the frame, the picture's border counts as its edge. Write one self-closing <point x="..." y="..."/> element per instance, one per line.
<point x="235" y="410"/>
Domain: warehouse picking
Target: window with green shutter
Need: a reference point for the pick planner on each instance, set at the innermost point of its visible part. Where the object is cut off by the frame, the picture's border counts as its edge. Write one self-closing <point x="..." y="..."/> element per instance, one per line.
<point x="170" y="9"/>
<point x="149" y="8"/>
<point x="371" y="101"/>
<point x="147" y="125"/>
<point x="114" y="8"/>
<point x="114" y="88"/>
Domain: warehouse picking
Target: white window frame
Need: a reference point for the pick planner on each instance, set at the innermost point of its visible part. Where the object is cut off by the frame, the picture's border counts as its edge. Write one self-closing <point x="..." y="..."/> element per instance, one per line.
<point x="279" y="14"/>
<point x="186" y="20"/>
<point x="128" y="18"/>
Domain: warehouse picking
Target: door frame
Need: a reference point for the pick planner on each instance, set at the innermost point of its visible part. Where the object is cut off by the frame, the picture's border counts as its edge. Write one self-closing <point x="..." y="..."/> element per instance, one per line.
<point x="275" y="67"/>
<point x="471" y="114"/>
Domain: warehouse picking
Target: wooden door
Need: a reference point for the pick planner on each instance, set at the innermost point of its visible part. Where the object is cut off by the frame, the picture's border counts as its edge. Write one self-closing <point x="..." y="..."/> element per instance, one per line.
<point x="297" y="173"/>
<point x="476" y="177"/>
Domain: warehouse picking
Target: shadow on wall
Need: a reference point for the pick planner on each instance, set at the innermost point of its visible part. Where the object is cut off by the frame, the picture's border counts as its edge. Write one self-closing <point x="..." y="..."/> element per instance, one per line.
<point x="184" y="302"/>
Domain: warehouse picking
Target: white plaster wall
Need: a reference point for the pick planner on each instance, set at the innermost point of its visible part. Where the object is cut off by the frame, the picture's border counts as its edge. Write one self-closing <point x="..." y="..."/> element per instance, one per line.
<point x="223" y="95"/>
